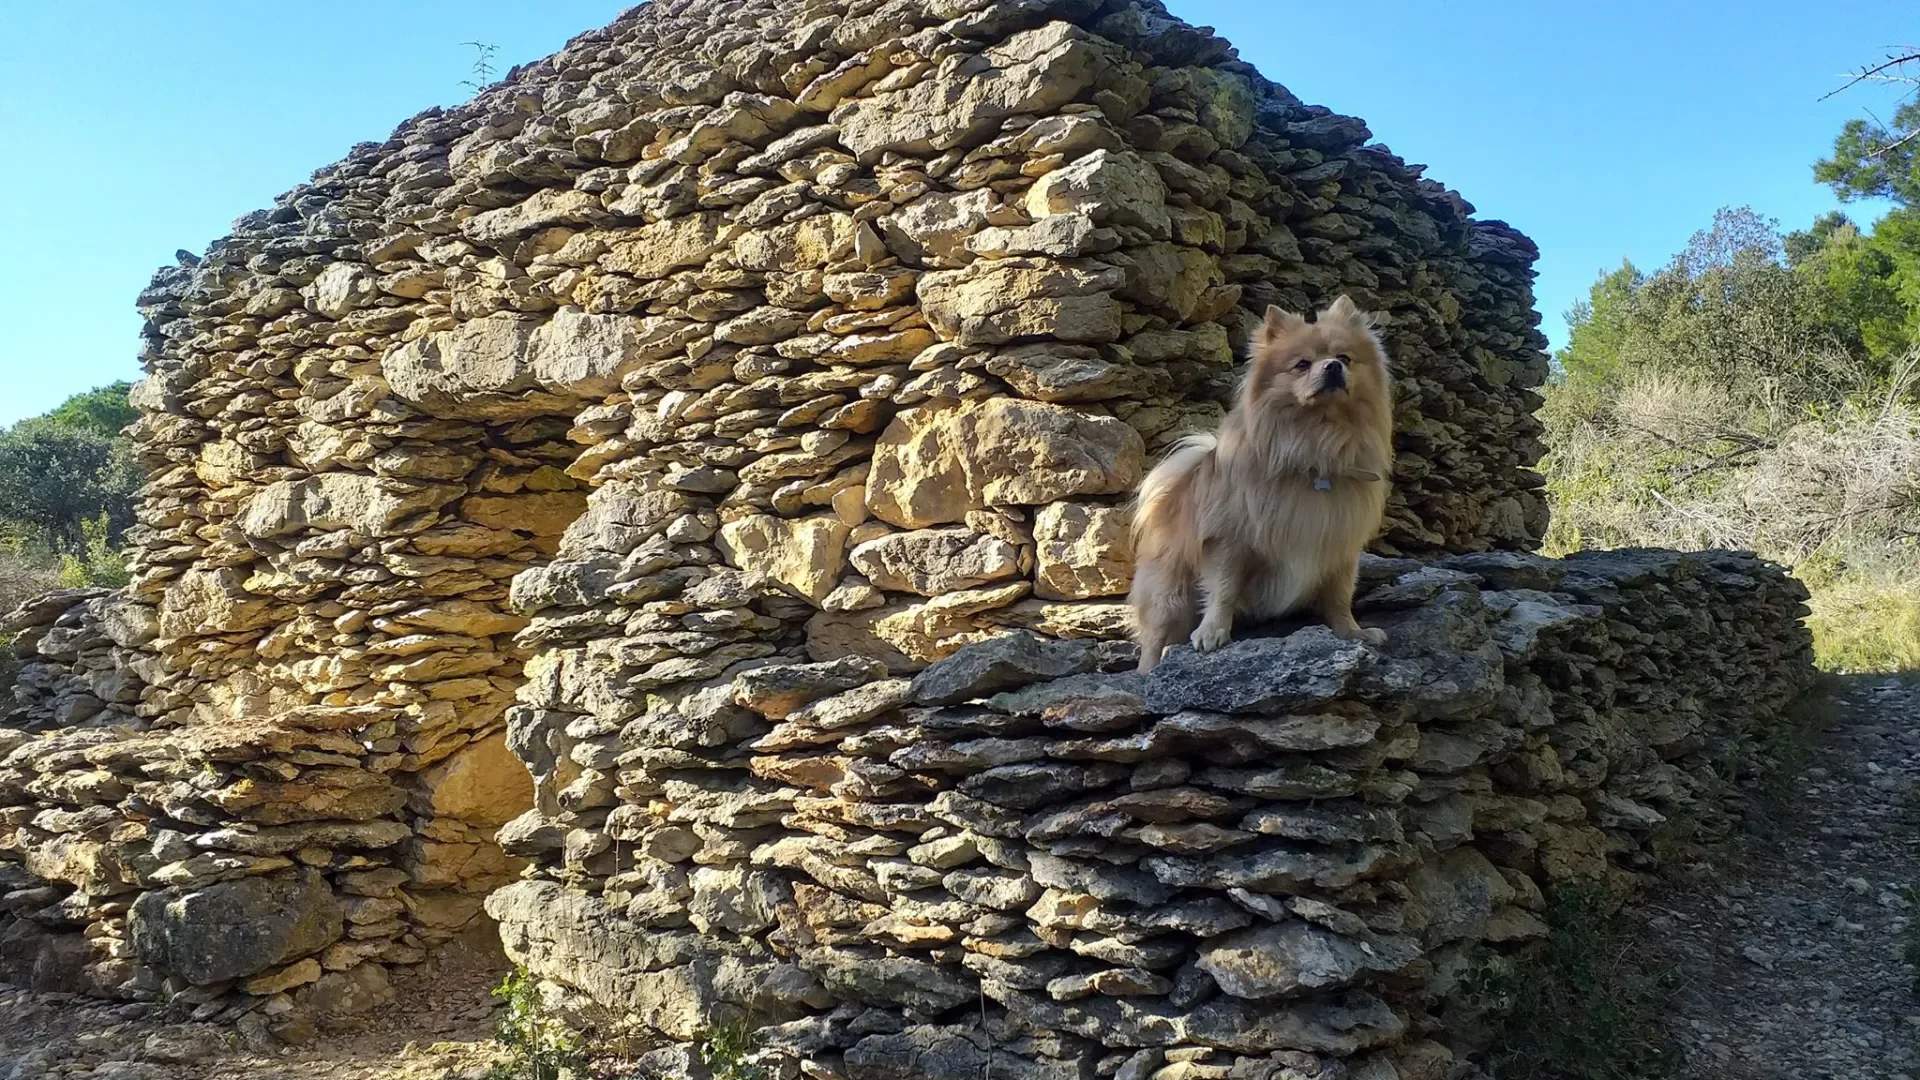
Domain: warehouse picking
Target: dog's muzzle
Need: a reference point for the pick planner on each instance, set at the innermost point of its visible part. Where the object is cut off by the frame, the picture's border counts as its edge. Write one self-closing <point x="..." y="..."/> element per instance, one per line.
<point x="1332" y="378"/>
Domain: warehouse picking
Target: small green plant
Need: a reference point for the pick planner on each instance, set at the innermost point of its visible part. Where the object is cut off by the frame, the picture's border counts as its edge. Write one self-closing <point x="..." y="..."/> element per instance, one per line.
<point x="1583" y="1007"/>
<point x="482" y="65"/>
<point x="539" y="1046"/>
<point x="729" y="1051"/>
<point x="96" y="564"/>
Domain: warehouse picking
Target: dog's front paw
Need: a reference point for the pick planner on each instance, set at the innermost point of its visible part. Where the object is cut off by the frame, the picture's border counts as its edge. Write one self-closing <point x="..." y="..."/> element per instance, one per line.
<point x="1209" y="638"/>
<point x="1372" y="635"/>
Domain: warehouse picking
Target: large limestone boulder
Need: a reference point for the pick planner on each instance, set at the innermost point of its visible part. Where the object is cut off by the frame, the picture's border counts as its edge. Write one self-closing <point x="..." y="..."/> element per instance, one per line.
<point x="936" y="462"/>
<point x="1083" y="551"/>
<point x="1000" y="300"/>
<point x="587" y="354"/>
<point x="1106" y="186"/>
<point x="1031" y="73"/>
<point x="1295" y="957"/>
<point x="484" y="784"/>
<point x="233" y="929"/>
<point x="935" y="561"/>
<point x="548" y="207"/>
<point x="366" y="504"/>
<point x="212" y="602"/>
<point x="93" y="865"/>
<point x="486" y="356"/>
<point x="806" y="555"/>
<point x="341" y="288"/>
<point x="657" y="249"/>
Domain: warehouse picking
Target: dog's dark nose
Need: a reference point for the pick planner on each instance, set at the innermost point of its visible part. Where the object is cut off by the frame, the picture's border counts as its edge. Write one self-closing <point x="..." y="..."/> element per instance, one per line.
<point x="1333" y="376"/>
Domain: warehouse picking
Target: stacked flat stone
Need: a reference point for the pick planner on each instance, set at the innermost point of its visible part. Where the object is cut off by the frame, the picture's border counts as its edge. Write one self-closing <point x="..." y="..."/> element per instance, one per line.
<point x="76" y="651"/>
<point x="1274" y="861"/>
<point x="260" y="857"/>
<point x="647" y="423"/>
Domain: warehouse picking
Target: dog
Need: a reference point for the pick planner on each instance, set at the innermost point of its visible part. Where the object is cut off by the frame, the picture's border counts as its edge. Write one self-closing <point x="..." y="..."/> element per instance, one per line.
<point x="1270" y="515"/>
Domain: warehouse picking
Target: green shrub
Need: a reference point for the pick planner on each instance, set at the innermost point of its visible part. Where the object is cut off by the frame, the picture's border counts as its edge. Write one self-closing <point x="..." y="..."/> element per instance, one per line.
<point x="25" y="572"/>
<point x="539" y="1046"/>
<point x="1866" y="610"/>
<point x="1581" y="1006"/>
<point x="96" y="564"/>
<point x="729" y="1052"/>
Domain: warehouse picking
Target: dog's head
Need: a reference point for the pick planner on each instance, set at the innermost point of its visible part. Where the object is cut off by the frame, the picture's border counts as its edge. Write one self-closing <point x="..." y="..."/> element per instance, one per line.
<point x="1337" y="357"/>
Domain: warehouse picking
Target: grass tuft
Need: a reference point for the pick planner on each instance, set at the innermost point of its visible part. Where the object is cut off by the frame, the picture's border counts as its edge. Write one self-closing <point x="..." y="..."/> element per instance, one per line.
<point x="539" y="1045"/>
<point x="731" y="1052"/>
<point x="1581" y="1005"/>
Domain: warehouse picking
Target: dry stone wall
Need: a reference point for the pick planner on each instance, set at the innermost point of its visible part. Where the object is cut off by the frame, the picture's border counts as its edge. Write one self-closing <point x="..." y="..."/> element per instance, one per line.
<point x="1274" y="861"/>
<point x="567" y="490"/>
<point x="78" y="658"/>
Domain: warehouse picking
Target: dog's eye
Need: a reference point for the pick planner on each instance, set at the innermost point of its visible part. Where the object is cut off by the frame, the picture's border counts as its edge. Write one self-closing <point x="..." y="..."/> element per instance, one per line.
<point x="1343" y="358"/>
<point x="1303" y="364"/>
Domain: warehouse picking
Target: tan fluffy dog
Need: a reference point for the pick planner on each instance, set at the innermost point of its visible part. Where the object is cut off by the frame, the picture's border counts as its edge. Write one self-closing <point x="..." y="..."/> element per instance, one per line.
<point x="1270" y="515"/>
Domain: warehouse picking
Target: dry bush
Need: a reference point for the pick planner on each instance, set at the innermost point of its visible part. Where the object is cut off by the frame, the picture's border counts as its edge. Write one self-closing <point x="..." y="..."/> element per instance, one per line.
<point x="1676" y="462"/>
<point x="24" y="574"/>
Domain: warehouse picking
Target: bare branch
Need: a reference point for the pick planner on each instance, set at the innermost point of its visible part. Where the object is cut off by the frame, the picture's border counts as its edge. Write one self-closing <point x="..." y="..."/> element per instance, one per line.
<point x="1897" y="143"/>
<point x="1910" y="56"/>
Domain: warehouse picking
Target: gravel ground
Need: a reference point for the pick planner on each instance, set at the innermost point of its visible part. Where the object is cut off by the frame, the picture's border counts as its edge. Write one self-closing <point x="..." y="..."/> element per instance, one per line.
<point x="438" y="1027"/>
<point x="1792" y="961"/>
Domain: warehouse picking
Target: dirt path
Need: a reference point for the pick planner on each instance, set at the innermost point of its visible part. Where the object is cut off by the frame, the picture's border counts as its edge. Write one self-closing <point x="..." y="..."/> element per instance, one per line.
<point x="1793" y="963"/>
<point x="438" y="1026"/>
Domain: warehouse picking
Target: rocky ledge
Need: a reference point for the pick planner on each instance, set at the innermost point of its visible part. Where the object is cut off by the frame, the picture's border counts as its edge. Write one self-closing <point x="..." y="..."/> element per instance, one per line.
<point x="1271" y="861"/>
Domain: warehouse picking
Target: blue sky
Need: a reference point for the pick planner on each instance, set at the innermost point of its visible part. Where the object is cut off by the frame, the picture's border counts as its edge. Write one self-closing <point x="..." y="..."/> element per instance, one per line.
<point x="1602" y="130"/>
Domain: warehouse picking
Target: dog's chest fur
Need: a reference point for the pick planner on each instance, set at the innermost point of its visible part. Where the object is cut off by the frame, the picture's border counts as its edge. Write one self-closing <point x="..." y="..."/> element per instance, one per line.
<point x="1265" y="497"/>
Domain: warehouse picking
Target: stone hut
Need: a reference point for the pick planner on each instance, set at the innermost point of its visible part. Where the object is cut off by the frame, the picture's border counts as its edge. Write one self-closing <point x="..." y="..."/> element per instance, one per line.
<point x="677" y="502"/>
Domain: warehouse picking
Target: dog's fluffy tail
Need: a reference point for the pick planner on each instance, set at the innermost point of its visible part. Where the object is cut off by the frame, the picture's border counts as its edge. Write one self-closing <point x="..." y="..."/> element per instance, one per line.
<point x="1163" y="485"/>
<point x="1166" y="546"/>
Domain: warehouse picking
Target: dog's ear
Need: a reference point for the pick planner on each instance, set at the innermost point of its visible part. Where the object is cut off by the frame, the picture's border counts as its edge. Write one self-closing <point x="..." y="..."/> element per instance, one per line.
<point x="1280" y="322"/>
<point x="1343" y="309"/>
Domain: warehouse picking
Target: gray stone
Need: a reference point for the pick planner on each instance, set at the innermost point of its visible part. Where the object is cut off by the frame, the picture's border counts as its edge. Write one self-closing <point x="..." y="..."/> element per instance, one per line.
<point x="1297" y="957"/>
<point x="1280" y="870"/>
<point x="932" y="562"/>
<point x="1027" y="785"/>
<point x="1099" y="880"/>
<point x="1331" y="822"/>
<point x="777" y="690"/>
<point x="1344" y="1025"/>
<point x="1295" y="673"/>
<point x="1035" y="72"/>
<point x="960" y="1052"/>
<point x="234" y="928"/>
<point x="1090" y="701"/>
<point x="866" y="975"/>
<point x="1001" y="663"/>
<point x="991" y="889"/>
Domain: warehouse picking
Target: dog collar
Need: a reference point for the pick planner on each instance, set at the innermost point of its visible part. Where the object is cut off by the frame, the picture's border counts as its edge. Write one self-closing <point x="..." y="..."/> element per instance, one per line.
<point x="1324" y="482"/>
